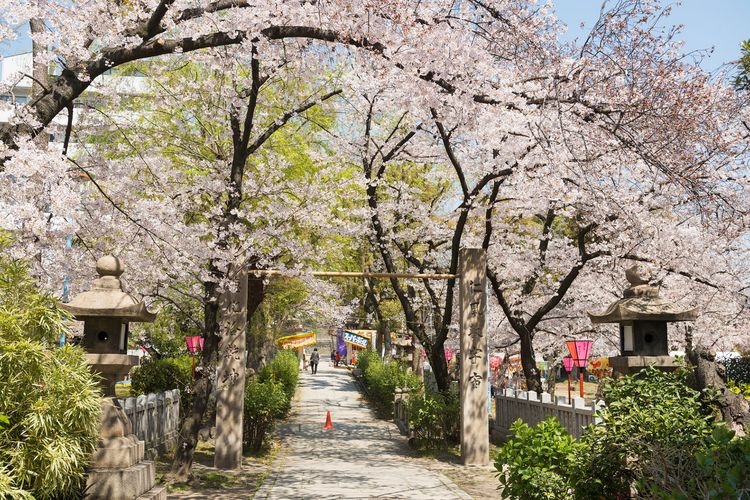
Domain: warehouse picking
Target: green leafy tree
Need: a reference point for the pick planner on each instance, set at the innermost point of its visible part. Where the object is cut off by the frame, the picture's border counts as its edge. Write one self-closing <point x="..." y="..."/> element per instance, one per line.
<point x="230" y="146"/>
<point x="264" y="401"/>
<point x="742" y="80"/>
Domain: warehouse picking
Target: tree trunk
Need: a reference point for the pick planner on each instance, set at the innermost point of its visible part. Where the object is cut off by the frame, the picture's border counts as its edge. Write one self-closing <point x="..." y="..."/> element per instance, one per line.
<point x="528" y="362"/>
<point x="439" y="367"/>
<point x="188" y="435"/>
<point x="735" y="409"/>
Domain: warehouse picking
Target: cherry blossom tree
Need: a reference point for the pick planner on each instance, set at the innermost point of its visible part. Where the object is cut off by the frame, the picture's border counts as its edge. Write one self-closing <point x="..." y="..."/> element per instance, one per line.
<point x="563" y="161"/>
<point x="212" y="169"/>
<point x="621" y="151"/>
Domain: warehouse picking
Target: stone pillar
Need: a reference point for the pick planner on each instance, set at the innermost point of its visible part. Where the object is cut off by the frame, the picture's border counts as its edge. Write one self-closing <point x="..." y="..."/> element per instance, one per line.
<point x="472" y="296"/>
<point x="230" y="377"/>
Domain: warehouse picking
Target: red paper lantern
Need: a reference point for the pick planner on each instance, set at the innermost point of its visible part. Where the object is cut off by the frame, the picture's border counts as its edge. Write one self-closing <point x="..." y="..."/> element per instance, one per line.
<point x="580" y="350"/>
<point x="568" y="363"/>
<point x="448" y="355"/>
<point x="194" y="343"/>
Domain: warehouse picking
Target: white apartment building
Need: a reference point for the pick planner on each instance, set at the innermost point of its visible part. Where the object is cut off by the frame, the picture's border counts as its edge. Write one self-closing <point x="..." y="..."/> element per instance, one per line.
<point x="16" y="89"/>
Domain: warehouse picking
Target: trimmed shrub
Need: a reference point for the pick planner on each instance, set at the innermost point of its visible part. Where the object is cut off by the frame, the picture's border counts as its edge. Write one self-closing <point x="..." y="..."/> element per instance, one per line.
<point x="283" y="369"/>
<point x="165" y="374"/>
<point x="268" y="397"/>
<point x="264" y="402"/>
<point x="381" y="380"/>
<point x="651" y="423"/>
<point x="536" y="462"/>
<point x="434" y="419"/>
<point x="365" y="359"/>
<point x="656" y="438"/>
<point x="52" y="402"/>
<point x="721" y="470"/>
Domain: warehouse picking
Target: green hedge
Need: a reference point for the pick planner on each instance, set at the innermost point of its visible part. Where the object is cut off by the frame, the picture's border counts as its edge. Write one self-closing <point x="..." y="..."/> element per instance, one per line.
<point x="381" y="380"/>
<point x="537" y="462"/>
<point x="434" y="420"/>
<point x="284" y="369"/>
<point x="165" y="374"/>
<point x="268" y="397"/>
<point x="656" y="439"/>
<point x="264" y="402"/>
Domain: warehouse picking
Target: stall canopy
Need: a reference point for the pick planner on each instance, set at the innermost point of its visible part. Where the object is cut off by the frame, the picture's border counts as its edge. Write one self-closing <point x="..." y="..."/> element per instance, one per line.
<point x="296" y="341"/>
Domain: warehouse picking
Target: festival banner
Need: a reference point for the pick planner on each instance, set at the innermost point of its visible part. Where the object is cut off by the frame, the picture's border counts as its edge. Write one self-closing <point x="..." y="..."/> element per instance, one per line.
<point x="296" y="341"/>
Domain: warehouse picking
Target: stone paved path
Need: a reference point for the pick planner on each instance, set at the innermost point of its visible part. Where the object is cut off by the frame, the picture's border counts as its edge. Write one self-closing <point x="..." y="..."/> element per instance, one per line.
<point x="360" y="458"/>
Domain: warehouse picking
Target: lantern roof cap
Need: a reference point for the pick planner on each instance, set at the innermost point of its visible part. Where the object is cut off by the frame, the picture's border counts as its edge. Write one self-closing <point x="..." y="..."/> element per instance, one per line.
<point x="106" y="297"/>
<point x="641" y="302"/>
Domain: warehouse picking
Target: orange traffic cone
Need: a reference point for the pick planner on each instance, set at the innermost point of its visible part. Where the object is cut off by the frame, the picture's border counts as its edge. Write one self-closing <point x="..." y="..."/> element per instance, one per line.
<point x="329" y="424"/>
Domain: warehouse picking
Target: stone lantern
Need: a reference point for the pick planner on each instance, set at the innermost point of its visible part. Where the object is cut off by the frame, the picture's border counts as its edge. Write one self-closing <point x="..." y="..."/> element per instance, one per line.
<point x="106" y="312"/>
<point x="643" y="317"/>
<point x="117" y="471"/>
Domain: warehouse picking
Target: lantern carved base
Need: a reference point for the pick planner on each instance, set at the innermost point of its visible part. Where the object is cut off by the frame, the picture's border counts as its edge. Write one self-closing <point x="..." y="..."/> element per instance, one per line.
<point x="118" y="471"/>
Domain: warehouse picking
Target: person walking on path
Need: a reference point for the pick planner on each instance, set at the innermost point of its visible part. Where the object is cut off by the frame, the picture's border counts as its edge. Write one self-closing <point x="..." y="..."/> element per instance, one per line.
<point x="333" y="358"/>
<point x="314" y="360"/>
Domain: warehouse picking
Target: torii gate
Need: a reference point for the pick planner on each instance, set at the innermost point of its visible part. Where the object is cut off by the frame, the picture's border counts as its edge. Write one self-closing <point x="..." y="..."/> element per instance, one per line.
<point x="472" y="296"/>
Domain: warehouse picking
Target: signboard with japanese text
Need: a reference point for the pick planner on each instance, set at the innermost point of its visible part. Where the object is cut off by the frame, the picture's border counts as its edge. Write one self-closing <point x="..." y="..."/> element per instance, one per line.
<point x="353" y="338"/>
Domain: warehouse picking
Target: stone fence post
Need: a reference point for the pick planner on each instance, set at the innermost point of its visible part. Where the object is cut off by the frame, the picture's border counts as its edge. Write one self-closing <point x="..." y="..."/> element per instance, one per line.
<point x="155" y="419"/>
<point x="532" y="408"/>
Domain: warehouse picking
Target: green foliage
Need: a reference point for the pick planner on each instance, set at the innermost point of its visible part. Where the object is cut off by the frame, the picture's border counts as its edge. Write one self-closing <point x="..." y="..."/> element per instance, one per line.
<point x="268" y="397"/>
<point x="283" y="369"/>
<point x="655" y="436"/>
<point x="434" y="419"/>
<point x="365" y="359"/>
<point x="739" y="388"/>
<point x="721" y="470"/>
<point x="53" y="405"/>
<point x="537" y="461"/>
<point x="650" y="422"/>
<point x="26" y="313"/>
<point x="381" y="380"/>
<point x="264" y="402"/>
<point x="165" y="374"/>
<point x="742" y="80"/>
<point x="50" y="402"/>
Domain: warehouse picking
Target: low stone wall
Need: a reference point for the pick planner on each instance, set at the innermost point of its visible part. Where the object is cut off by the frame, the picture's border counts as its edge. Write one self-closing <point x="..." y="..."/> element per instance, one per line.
<point x="155" y="419"/>
<point x="532" y="408"/>
<point x="400" y="410"/>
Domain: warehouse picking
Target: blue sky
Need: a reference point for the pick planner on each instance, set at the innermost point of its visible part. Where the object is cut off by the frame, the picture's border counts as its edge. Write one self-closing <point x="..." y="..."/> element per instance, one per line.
<point x="721" y="24"/>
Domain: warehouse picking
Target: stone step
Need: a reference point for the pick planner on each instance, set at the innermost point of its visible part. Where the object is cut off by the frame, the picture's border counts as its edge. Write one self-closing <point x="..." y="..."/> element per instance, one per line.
<point x="120" y="484"/>
<point x="155" y="493"/>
